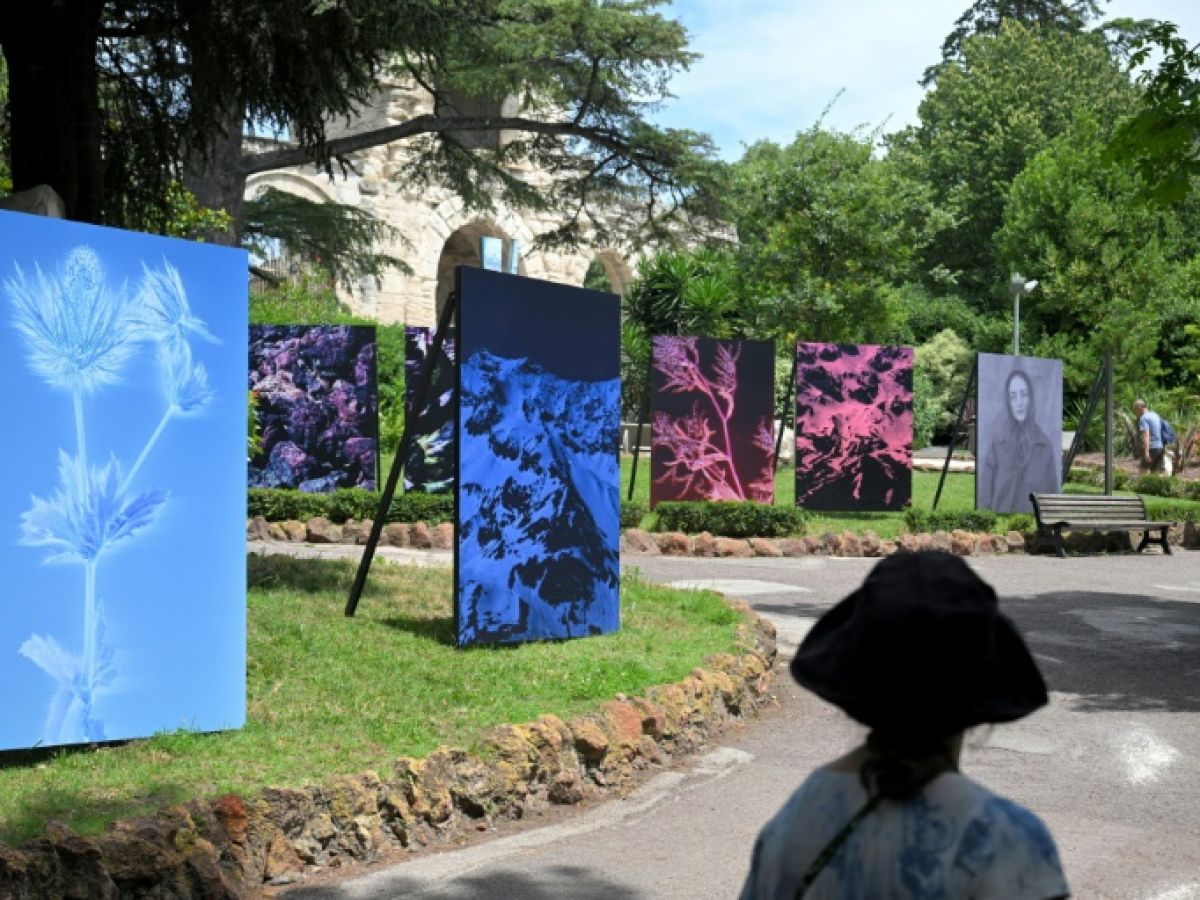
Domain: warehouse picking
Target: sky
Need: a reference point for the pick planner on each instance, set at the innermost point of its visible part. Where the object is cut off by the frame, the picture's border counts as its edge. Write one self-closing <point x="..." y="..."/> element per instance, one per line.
<point x="769" y="67"/>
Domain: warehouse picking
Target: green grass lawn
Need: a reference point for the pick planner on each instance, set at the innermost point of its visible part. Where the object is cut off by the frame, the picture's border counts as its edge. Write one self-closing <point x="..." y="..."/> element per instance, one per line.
<point x="958" y="493"/>
<point x="331" y="695"/>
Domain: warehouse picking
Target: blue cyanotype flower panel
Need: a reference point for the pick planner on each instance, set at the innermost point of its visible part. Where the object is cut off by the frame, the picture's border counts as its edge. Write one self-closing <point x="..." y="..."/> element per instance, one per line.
<point x="538" y="485"/>
<point x="122" y="505"/>
<point x="318" y="406"/>
<point x="429" y="467"/>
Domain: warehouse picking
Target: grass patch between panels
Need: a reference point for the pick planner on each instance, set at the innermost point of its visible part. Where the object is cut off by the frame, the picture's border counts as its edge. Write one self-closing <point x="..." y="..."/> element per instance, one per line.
<point x="329" y="695"/>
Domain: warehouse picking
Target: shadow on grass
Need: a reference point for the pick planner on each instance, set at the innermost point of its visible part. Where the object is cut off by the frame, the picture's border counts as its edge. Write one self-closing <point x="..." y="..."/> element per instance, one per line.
<point x="312" y="576"/>
<point x="88" y="815"/>
<point x="440" y="630"/>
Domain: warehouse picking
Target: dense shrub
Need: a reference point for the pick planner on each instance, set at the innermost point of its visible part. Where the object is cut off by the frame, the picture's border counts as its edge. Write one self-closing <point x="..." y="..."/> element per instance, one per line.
<point x="632" y="513"/>
<point x="1095" y="477"/>
<point x="1019" y="522"/>
<point x="275" y="505"/>
<point x="924" y="520"/>
<point x="1158" y="485"/>
<point x="729" y="518"/>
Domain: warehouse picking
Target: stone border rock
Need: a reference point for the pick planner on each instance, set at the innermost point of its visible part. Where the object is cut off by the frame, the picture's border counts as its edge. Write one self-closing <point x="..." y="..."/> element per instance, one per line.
<point x="229" y="847"/>
<point x="868" y="544"/>
<point x="963" y="543"/>
<point x="674" y="543"/>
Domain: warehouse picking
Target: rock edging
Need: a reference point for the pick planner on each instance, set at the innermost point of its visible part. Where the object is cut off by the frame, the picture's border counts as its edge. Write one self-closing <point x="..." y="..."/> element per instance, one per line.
<point x="229" y="847"/>
<point x="868" y="544"/>
<point x="423" y="536"/>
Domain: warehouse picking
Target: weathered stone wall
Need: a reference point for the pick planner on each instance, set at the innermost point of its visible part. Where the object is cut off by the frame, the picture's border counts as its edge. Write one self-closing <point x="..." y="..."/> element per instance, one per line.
<point x="231" y="846"/>
<point x="436" y="233"/>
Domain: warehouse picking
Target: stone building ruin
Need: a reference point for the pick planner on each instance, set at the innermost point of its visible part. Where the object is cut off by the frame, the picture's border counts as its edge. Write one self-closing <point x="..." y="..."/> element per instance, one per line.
<point x="438" y="233"/>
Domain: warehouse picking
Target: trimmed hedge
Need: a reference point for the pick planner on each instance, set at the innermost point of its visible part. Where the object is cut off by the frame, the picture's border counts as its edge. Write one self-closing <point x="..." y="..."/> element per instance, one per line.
<point x="632" y="513"/>
<point x="924" y="520"/>
<point x="1158" y="485"/>
<point x="275" y="505"/>
<point x="1095" y="477"/>
<point x="729" y="518"/>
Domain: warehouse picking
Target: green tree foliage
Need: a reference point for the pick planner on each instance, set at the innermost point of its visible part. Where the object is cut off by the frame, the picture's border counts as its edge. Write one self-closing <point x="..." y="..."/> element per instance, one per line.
<point x="112" y="100"/>
<point x="312" y="301"/>
<point x="5" y="174"/>
<point x="341" y="239"/>
<point x="1115" y="274"/>
<point x="675" y="292"/>
<point x="1162" y="140"/>
<point x="986" y="17"/>
<point x="944" y="362"/>
<point x="987" y="115"/>
<point x="922" y="314"/>
<point x="825" y="231"/>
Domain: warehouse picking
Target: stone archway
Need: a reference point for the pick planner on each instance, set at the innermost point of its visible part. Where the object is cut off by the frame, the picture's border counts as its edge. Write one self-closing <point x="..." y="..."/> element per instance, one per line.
<point x="608" y="271"/>
<point x="300" y="185"/>
<point x="462" y="248"/>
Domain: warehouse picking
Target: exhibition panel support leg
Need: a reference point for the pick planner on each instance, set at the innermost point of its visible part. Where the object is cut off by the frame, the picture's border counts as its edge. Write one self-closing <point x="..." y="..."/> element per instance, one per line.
<point x="1085" y="421"/>
<point x="962" y="410"/>
<point x="787" y="405"/>
<point x="406" y="437"/>
<point x="637" y="444"/>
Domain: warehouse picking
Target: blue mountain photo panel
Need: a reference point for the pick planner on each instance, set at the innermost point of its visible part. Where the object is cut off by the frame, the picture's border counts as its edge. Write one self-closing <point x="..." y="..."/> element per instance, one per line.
<point x="123" y="490"/>
<point x="538" y="484"/>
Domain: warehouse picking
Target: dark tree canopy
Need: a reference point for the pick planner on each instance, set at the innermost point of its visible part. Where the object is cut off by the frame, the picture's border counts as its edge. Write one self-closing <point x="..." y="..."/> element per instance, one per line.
<point x="113" y="100"/>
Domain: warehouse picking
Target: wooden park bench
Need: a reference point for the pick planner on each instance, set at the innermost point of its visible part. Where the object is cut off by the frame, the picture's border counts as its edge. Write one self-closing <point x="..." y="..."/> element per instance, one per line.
<point x="1056" y="513"/>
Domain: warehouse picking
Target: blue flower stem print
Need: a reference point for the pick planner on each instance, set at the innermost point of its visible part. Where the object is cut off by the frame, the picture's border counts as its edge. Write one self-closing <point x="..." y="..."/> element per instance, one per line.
<point x="80" y="434"/>
<point x="80" y="333"/>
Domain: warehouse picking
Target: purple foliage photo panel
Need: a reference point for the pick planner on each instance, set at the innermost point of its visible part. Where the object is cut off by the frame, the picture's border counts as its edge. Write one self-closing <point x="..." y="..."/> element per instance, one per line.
<point x="713" y="403"/>
<point x="538" y="524"/>
<point x="318" y="406"/>
<point x="853" y="426"/>
<point x="1019" y="431"/>
<point x="429" y="467"/>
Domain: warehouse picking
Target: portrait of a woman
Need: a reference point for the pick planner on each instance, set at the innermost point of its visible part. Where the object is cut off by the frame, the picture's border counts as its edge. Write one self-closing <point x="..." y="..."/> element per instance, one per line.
<point x="1019" y="456"/>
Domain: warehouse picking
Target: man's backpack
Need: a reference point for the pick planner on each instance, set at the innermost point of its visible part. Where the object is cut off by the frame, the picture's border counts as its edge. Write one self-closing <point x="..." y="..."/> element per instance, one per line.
<point x="1168" y="433"/>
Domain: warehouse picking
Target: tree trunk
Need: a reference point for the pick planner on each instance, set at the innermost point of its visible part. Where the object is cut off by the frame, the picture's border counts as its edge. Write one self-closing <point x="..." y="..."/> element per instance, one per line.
<point x="215" y="177"/>
<point x="54" y="107"/>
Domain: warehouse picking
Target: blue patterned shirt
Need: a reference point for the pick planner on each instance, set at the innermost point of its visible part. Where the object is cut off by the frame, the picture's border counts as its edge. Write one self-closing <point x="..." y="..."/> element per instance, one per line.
<point x="953" y="839"/>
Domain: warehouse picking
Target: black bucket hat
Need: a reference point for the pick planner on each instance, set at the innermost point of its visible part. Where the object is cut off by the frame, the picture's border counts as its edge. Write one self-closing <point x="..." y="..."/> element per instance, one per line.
<point x="921" y="649"/>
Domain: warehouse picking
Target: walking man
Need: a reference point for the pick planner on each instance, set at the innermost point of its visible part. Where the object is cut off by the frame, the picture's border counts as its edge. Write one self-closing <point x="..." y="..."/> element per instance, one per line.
<point x="1150" y="438"/>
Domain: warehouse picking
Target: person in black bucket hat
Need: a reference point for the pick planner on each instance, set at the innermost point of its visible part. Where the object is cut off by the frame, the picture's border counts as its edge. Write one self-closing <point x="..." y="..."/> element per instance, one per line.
<point x="919" y="653"/>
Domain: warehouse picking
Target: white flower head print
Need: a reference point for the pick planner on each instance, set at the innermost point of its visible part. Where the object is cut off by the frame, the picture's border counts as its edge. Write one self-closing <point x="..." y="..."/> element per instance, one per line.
<point x="80" y="330"/>
<point x="77" y="328"/>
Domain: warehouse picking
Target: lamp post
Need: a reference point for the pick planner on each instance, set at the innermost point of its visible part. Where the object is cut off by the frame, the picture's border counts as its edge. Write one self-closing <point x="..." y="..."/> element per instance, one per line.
<point x="1019" y="287"/>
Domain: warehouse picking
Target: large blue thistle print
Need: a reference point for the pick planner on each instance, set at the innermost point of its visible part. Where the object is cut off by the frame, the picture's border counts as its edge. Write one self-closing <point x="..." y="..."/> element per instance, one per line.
<point x="121" y="506"/>
<point x="538" y="486"/>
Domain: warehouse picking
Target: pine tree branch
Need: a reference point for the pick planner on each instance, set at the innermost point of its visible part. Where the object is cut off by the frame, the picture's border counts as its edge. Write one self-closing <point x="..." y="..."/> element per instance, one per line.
<point x="430" y="124"/>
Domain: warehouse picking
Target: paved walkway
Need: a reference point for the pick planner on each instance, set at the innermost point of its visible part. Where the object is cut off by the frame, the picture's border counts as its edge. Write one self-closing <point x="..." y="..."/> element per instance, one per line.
<point x="1112" y="765"/>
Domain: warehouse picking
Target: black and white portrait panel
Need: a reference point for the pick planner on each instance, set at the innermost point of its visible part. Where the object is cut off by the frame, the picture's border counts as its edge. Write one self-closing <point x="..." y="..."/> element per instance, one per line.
<point x="1019" y="431"/>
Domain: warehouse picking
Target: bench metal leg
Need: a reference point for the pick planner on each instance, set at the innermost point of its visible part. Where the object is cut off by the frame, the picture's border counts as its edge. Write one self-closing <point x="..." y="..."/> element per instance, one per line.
<point x="1161" y="540"/>
<point x="1051" y="537"/>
